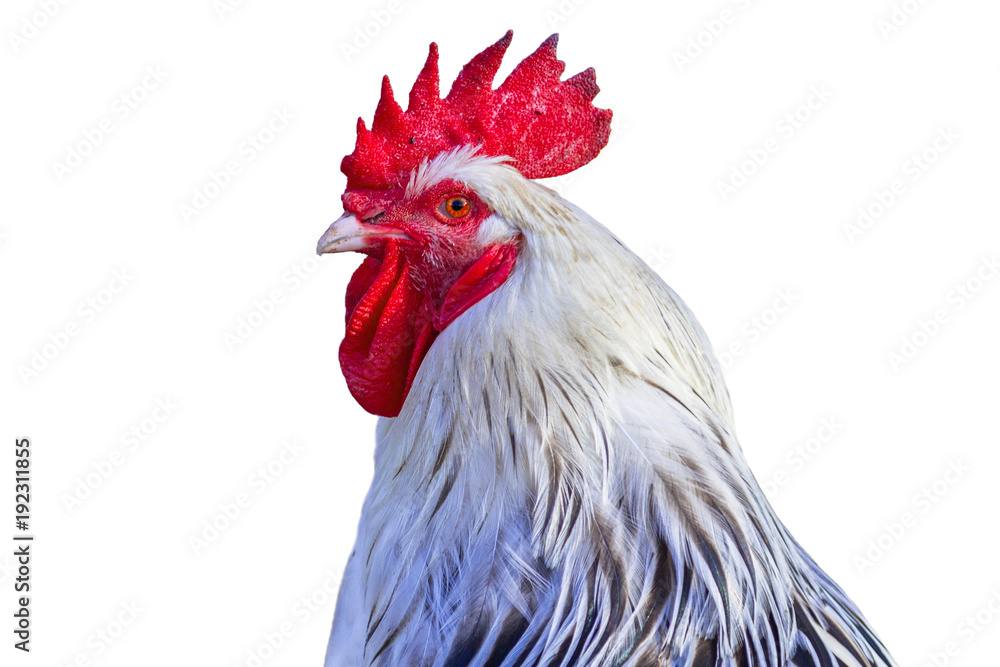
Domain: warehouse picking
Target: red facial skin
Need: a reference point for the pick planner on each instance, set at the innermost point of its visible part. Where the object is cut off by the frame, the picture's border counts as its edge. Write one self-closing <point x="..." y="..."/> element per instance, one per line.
<point x="409" y="289"/>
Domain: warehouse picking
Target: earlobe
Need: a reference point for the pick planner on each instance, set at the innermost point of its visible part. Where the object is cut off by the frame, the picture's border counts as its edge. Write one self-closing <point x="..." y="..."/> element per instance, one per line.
<point x="495" y="229"/>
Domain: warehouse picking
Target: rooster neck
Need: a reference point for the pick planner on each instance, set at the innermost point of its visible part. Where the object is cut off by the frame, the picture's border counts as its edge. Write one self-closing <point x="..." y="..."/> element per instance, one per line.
<point x="563" y="481"/>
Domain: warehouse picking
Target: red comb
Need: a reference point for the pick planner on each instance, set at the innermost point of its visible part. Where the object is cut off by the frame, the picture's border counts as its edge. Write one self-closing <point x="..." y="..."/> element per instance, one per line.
<point x="547" y="126"/>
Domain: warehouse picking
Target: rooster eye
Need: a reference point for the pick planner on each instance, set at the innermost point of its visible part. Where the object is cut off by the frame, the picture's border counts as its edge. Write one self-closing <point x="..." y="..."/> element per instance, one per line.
<point x="454" y="207"/>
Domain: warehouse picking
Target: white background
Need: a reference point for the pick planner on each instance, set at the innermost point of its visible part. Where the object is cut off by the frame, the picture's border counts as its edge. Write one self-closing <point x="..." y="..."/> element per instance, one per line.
<point x="681" y="129"/>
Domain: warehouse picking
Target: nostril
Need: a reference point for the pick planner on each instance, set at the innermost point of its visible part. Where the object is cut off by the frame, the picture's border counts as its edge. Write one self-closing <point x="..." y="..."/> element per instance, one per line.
<point x="373" y="218"/>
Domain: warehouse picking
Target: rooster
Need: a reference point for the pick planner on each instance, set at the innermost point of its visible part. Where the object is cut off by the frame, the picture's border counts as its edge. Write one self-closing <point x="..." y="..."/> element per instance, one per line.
<point x="557" y="480"/>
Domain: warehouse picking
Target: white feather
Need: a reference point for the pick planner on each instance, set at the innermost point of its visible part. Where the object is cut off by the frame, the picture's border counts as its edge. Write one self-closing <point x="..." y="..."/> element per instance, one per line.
<point x="566" y="455"/>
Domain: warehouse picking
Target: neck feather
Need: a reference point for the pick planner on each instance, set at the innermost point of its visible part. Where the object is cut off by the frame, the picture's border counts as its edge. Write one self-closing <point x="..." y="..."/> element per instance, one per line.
<point x="564" y="475"/>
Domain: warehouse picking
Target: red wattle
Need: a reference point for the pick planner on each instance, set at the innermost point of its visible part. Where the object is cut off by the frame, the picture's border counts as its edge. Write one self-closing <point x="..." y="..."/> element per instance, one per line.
<point x="391" y="325"/>
<point x="487" y="274"/>
<point x="388" y="332"/>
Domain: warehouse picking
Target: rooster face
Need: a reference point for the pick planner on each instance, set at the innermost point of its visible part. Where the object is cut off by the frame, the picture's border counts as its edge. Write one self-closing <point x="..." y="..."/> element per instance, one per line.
<point x="434" y="249"/>
<point x="435" y="231"/>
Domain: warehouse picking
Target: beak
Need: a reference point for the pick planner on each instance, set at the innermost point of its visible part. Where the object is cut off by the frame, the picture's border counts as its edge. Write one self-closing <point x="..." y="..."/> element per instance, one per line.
<point x="347" y="233"/>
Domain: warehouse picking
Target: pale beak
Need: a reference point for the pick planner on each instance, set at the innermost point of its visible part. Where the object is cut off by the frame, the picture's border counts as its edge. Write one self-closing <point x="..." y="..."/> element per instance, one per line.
<point x="347" y="233"/>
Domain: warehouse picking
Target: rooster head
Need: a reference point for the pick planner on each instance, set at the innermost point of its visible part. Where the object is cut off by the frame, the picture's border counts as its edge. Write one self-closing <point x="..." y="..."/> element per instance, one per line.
<point x="435" y="246"/>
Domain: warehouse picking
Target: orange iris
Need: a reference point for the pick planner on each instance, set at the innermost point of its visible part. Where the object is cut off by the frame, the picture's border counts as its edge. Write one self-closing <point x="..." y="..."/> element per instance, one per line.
<point x="455" y="207"/>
